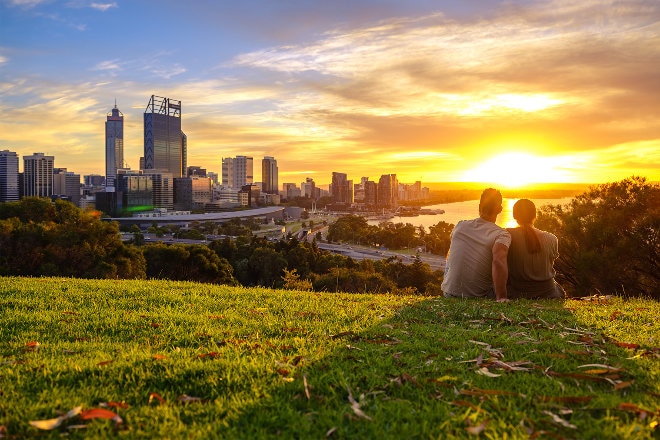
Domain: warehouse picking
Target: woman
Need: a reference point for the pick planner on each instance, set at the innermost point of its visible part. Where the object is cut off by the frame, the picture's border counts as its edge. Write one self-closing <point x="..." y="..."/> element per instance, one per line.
<point x="531" y="257"/>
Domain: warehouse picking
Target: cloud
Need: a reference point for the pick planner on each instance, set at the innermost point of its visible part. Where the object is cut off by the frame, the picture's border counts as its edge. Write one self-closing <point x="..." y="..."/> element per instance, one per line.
<point x="27" y="3"/>
<point x="103" y="6"/>
<point x="110" y="65"/>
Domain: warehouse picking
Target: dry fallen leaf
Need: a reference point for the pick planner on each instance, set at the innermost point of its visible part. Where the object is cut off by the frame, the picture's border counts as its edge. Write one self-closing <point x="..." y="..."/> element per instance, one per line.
<point x="189" y="399"/>
<point x="47" y="424"/>
<point x="484" y="372"/>
<point x="559" y="420"/>
<point x="51" y="424"/>
<point x="355" y="406"/>
<point x="476" y="430"/>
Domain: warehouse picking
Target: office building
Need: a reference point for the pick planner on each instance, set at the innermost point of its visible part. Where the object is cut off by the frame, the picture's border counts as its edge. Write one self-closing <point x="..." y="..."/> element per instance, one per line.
<point x="165" y="145"/>
<point x="196" y="171"/>
<point x="66" y="185"/>
<point x="163" y="188"/>
<point x="269" y="175"/>
<point x="38" y="175"/>
<point x="9" y="187"/>
<point x="192" y="193"/>
<point x="114" y="147"/>
<point x="342" y="188"/>
<point x="388" y="191"/>
<point x="308" y="189"/>
<point x="237" y="172"/>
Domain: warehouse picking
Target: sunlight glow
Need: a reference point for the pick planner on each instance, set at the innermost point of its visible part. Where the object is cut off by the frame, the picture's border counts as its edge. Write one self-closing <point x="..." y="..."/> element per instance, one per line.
<point x="518" y="169"/>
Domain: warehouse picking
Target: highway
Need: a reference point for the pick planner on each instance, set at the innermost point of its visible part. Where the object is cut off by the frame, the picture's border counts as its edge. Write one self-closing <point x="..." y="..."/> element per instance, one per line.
<point x="356" y="252"/>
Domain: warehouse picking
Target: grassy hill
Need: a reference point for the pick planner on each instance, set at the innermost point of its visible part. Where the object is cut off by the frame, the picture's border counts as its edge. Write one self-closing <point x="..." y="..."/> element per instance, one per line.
<point x="154" y="359"/>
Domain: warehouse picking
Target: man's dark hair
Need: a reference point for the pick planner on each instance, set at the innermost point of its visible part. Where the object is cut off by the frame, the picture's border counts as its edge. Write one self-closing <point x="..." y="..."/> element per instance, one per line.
<point x="490" y="202"/>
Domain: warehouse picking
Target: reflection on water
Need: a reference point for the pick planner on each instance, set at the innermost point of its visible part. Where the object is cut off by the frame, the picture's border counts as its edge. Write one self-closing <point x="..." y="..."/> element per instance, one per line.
<point x="467" y="210"/>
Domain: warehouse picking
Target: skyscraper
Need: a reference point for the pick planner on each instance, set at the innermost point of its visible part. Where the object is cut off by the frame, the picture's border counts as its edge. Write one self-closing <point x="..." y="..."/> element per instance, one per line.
<point x="165" y="145"/>
<point x="269" y="175"/>
<point x="114" y="147"/>
<point x="9" y="191"/>
<point x="237" y="171"/>
<point x="342" y="188"/>
<point x="38" y="175"/>
<point x="388" y="191"/>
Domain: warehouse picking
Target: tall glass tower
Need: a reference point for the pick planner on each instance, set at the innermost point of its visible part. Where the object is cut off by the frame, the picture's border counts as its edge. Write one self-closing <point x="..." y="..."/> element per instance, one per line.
<point x="9" y="191"/>
<point x="114" y="147"/>
<point x="269" y="175"/>
<point x="165" y="144"/>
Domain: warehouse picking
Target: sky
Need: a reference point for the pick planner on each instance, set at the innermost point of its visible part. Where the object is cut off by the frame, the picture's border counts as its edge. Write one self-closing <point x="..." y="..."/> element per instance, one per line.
<point x="509" y="92"/>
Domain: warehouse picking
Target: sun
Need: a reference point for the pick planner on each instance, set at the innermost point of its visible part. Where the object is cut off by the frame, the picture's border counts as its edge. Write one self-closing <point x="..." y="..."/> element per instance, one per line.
<point x="515" y="169"/>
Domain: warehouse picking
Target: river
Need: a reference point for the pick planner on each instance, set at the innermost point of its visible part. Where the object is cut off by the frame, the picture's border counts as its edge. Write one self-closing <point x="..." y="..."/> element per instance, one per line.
<point x="467" y="210"/>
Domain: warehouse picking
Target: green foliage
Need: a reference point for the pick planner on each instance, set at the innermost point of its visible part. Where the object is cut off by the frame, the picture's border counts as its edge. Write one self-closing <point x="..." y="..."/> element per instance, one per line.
<point x="199" y="361"/>
<point x="39" y="237"/>
<point x="187" y="262"/>
<point x="609" y="239"/>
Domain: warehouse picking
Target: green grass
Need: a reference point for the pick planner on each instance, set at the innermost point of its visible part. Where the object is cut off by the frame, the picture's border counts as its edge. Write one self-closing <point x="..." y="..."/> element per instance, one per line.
<point x="186" y="360"/>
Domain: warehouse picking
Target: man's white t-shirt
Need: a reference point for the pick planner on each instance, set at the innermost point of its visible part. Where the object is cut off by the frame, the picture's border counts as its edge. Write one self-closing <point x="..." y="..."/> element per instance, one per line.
<point x="468" y="272"/>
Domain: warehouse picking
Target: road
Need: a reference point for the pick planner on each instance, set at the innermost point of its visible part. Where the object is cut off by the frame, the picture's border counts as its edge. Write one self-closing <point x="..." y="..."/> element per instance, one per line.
<point x="356" y="252"/>
<point x="436" y="262"/>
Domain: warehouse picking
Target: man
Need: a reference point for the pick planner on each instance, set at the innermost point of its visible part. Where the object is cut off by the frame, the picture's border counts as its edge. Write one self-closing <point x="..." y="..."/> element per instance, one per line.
<point x="477" y="259"/>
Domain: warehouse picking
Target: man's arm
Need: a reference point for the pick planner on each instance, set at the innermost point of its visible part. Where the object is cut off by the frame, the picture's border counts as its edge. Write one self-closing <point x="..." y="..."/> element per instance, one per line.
<point x="500" y="271"/>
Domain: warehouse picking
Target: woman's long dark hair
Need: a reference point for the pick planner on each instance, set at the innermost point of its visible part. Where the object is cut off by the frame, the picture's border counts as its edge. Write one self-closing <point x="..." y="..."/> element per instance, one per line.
<point x="524" y="212"/>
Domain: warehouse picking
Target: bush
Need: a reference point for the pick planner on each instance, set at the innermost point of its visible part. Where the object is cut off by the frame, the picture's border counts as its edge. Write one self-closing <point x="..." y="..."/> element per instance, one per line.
<point x="609" y="239"/>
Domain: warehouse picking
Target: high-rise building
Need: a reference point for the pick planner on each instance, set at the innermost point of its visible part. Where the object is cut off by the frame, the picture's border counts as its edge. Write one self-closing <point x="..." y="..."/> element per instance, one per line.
<point x="114" y="147"/>
<point x="165" y="145"/>
<point x="66" y="184"/>
<point x="38" y="175"/>
<point x="269" y="175"/>
<point x="308" y="189"/>
<point x="237" y="172"/>
<point x="388" y="191"/>
<point x="196" y="171"/>
<point x="163" y="188"/>
<point x="342" y="188"/>
<point x="9" y="188"/>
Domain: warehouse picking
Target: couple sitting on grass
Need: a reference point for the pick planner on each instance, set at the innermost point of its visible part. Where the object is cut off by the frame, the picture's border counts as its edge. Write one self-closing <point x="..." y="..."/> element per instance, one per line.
<point x="487" y="261"/>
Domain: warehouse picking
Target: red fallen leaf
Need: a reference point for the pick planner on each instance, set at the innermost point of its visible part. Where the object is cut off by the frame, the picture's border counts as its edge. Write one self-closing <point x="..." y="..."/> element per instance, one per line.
<point x="156" y="396"/>
<point x="159" y="357"/>
<point x="631" y="407"/>
<point x="283" y="371"/>
<point x="622" y="385"/>
<point x="156" y="325"/>
<point x="615" y="315"/>
<point x="100" y="364"/>
<point x="32" y="344"/>
<point x="212" y="354"/>
<point x="557" y="355"/>
<point x="98" y="413"/>
<point x="626" y="345"/>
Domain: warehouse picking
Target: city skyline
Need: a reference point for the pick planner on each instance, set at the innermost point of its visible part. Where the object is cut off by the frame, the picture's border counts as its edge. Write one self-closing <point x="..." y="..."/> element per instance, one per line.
<point x="503" y="92"/>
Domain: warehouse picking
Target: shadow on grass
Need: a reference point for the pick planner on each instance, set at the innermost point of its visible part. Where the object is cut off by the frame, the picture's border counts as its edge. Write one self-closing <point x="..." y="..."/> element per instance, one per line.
<point x="442" y="368"/>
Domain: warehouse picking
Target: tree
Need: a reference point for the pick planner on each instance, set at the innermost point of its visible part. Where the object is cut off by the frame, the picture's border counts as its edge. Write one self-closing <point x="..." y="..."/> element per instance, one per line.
<point x="609" y="239"/>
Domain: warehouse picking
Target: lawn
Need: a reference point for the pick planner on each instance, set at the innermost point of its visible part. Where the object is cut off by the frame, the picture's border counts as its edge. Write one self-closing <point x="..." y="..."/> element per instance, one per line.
<point x="155" y="359"/>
